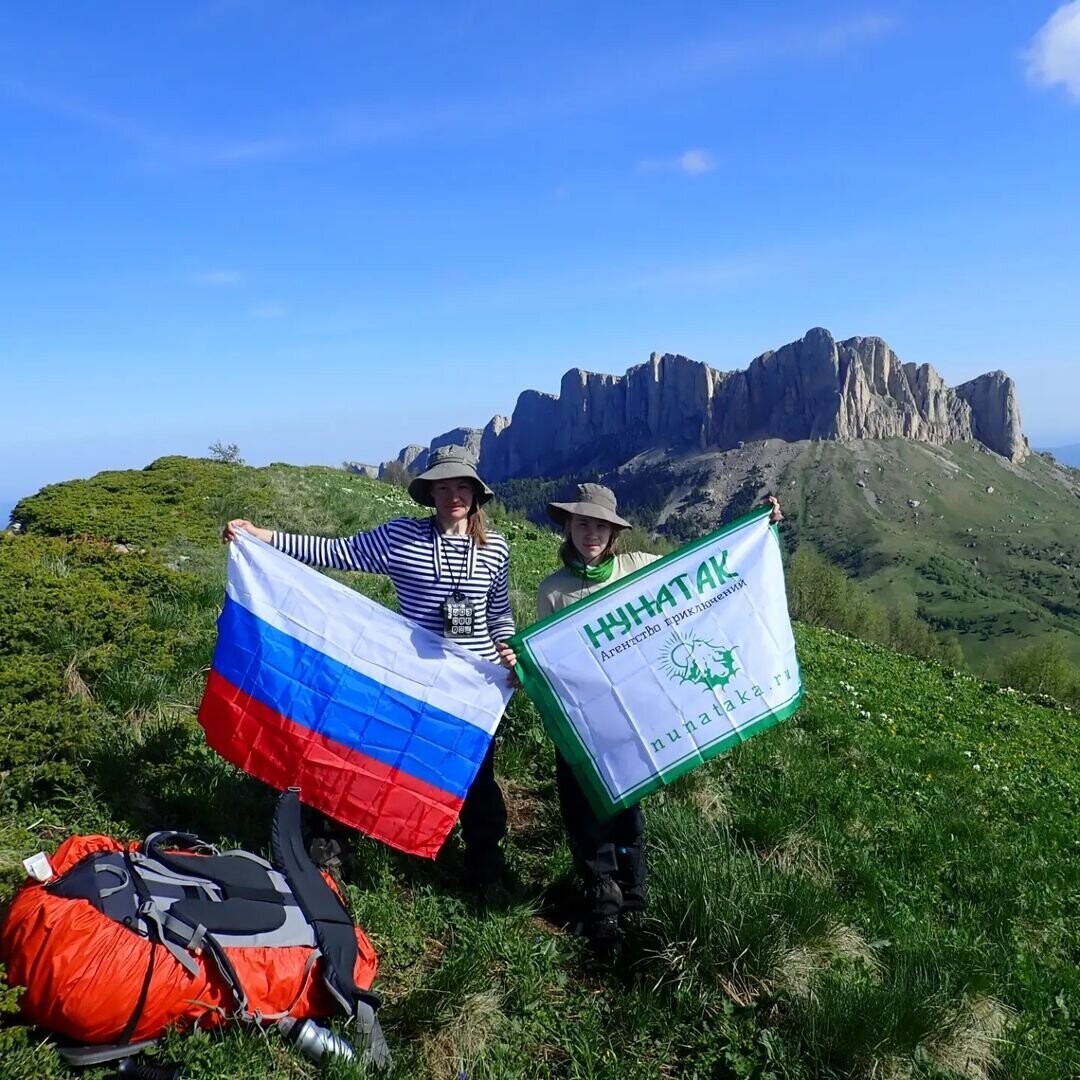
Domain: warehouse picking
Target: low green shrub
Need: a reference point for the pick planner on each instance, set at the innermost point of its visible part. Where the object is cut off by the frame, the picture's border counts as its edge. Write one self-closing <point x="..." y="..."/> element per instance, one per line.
<point x="822" y="594"/>
<point x="173" y="497"/>
<point x="1043" y="668"/>
<point x="84" y="645"/>
<point x="9" y="1006"/>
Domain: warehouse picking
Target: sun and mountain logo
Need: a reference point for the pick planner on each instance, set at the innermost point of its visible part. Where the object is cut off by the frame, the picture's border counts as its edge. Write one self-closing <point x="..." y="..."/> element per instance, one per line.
<point x="692" y="659"/>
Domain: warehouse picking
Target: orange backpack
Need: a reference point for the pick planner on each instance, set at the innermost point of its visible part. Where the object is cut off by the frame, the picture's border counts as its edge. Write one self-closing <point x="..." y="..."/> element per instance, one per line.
<point x="126" y="940"/>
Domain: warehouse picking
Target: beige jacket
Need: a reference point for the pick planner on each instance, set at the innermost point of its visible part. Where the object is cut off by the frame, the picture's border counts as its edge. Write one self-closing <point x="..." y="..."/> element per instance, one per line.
<point x="564" y="587"/>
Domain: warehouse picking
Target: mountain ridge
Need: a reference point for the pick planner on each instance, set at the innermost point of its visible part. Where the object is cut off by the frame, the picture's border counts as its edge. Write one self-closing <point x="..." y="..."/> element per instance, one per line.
<point x="813" y="388"/>
<point x="929" y="494"/>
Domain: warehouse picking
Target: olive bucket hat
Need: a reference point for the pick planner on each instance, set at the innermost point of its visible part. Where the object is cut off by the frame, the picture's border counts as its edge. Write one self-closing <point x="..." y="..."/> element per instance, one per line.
<point x="445" y="463"/>
<point x="593" y="500"/>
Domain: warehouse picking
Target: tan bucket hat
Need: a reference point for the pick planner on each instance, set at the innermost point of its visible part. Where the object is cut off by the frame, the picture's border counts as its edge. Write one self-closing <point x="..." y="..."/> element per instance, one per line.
<point x="593" y="500"/>
<point x="444" y="464"/>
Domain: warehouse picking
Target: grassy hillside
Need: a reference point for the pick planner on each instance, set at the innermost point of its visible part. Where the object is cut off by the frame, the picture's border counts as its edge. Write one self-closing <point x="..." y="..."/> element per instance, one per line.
<point x="884" y="886"/>
<point x="991" y="551"/>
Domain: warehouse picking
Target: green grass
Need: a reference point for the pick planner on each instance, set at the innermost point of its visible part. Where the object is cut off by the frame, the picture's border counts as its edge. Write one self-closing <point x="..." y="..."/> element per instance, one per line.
<point x="884" y="886"/>
<point x="999" y="570"/>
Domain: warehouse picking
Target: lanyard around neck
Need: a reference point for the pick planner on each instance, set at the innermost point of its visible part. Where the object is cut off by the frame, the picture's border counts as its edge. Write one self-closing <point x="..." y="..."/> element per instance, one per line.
<point x="440" y="557"/>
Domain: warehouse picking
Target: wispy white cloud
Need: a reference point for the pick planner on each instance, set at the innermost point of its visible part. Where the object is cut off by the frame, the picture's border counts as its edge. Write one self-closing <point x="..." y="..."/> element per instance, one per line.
<point x="693" y="162"/>
<point x="87" y="115"/>
<point x="268" y="310"/>
<point x="780" y="42"/>
<point x="218" y="278"/>
<point x="276" y="146"/>
<point x="603" y="281"/>
<point x="856" y="30"/>
<point x="1054" y="55"/>
<point x="597" y="82"/>
<point x="153" y="142"/>
<point x="709" y="275"/>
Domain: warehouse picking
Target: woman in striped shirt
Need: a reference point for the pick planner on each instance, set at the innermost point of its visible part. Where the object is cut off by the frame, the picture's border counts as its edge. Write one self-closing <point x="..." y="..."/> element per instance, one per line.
<point x="451" y="576"/>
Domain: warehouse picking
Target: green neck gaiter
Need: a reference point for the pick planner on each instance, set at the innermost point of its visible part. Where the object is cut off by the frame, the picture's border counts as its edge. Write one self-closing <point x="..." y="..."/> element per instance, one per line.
<point x="592" y="574"/>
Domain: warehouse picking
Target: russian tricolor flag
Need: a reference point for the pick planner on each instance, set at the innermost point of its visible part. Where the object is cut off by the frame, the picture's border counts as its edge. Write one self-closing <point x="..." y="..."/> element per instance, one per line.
<point x="380" y="723"/>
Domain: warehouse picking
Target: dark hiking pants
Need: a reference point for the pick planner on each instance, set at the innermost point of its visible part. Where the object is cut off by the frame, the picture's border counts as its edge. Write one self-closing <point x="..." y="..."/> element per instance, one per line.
<point x="483" y="820"/>
<point x="603" y="849"/>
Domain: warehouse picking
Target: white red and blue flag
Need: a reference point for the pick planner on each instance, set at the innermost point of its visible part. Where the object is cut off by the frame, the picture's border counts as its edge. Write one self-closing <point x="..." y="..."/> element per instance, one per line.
<point x="380" y="723"/>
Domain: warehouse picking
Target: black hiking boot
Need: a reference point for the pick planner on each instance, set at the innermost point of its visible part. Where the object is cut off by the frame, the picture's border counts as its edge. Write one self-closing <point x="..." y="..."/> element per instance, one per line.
<point x="605" y="900"/>
<point x="485" y="875"/>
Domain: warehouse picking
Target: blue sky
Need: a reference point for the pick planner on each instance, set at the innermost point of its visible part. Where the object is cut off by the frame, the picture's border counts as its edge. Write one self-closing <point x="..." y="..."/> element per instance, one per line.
<point x="324" y="230"/>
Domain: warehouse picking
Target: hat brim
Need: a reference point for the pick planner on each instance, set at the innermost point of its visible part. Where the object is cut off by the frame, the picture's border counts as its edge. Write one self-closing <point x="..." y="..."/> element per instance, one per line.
<point x="558" y="512"/>
<point x="420" y="486"/>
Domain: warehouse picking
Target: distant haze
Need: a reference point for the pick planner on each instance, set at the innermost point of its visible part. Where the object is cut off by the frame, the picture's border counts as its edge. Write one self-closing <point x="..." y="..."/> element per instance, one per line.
<point x="1070" y="455"/>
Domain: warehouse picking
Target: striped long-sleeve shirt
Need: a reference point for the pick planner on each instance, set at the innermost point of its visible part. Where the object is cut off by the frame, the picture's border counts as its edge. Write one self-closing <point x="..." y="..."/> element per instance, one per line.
<point x="425" y="567"/>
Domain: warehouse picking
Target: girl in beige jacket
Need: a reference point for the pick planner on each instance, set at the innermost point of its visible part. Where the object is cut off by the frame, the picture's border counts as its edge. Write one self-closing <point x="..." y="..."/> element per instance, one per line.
<point x="608" y="854"/>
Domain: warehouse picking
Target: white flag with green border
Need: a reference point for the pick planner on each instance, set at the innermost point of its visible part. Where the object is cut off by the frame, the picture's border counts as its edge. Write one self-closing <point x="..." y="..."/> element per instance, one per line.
<point x="661" y="670"/>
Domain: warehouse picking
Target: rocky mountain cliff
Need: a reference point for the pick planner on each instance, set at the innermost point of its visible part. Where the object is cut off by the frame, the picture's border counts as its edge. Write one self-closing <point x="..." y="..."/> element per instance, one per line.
<point x="815" y="388"/>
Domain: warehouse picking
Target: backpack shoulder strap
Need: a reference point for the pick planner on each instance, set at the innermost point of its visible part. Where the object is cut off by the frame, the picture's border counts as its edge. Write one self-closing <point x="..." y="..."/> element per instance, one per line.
<point x="333" y="926"/>
<point x="324" y="910"/>
<point x="241" y="874"/>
